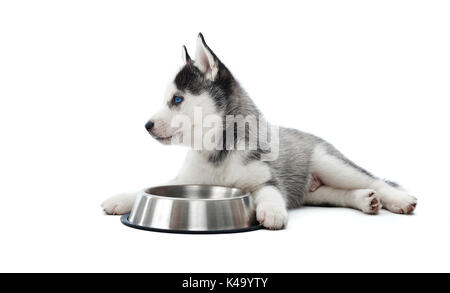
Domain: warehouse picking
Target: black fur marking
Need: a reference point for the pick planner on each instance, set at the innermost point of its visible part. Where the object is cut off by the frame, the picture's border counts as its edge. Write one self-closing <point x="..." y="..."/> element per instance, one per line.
<point x="392" y="183"/>
<point x="253" y="156"/>
<point x="218" y="157"/>
<point x="190" y="79"/>
<point x="188" y="58"/>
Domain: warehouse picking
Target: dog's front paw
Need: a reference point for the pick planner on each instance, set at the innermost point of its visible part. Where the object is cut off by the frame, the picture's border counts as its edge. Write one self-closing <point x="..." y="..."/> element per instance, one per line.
<point x="119" y="204"/>
<point x="272" y="216"/>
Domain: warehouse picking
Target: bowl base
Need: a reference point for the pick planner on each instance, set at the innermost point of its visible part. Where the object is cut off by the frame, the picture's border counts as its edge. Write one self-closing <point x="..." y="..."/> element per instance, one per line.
<point x="124" y="220"/>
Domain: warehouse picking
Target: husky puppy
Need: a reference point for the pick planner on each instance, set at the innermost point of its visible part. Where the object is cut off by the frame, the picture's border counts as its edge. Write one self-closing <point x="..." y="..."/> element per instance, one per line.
<point x="306" y="170"/>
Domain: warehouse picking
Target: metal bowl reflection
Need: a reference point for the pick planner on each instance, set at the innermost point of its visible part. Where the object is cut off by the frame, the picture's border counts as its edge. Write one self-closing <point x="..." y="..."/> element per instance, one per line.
<point x="193" y="209"/>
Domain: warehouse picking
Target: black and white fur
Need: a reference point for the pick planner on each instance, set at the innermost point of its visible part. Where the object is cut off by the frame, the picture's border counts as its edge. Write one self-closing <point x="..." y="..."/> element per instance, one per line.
<point x="308" y="169"/>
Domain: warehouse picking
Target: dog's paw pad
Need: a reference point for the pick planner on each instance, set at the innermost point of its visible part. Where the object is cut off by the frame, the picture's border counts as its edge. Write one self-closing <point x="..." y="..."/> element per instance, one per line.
<point x="368" y="201"/>
<point x="272" y="216"/>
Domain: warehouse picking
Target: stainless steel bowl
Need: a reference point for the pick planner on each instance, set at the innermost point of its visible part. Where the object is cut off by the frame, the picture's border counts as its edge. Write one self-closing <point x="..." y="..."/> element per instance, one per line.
<point x="193" y="209"/>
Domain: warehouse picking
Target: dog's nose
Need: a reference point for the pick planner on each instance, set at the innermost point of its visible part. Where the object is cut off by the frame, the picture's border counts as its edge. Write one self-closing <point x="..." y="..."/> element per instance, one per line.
<point x="149" y="125"/>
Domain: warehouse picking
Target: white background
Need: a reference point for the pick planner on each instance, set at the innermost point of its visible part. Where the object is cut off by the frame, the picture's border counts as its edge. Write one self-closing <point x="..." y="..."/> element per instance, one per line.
<point x="79" y="79"/>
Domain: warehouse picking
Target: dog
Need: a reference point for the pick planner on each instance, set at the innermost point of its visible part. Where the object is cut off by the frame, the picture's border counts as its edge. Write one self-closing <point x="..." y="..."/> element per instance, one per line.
<point x="305" y="170"/>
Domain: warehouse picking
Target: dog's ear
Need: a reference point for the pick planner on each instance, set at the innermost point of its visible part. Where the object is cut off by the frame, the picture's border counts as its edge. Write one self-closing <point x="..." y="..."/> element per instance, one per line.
<point x="185" y="55"/>
<point x="205" y="59"/>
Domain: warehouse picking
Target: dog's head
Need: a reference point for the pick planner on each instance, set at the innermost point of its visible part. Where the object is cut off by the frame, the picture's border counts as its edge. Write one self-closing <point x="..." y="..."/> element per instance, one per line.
<point x="199" y="90"/>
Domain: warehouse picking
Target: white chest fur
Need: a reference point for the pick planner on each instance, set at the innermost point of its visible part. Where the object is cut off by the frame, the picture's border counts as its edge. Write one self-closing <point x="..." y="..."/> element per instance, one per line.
<point x="232" y="172"/>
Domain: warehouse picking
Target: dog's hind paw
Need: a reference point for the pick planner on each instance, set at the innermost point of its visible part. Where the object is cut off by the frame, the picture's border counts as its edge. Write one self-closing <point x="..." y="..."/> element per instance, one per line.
<point x="119" y="204"/>
<point x="401" y="203"/>
<point x="367" y="201"/>
<point x="272" y="216"/>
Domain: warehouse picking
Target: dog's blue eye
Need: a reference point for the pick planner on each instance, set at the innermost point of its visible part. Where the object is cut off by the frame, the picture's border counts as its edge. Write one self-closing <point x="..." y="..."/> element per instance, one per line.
<point x="177" y="100"/>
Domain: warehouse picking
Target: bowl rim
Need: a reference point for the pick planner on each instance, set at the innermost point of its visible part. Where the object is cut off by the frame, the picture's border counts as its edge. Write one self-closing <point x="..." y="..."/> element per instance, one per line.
<point x="243" y="195"/>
